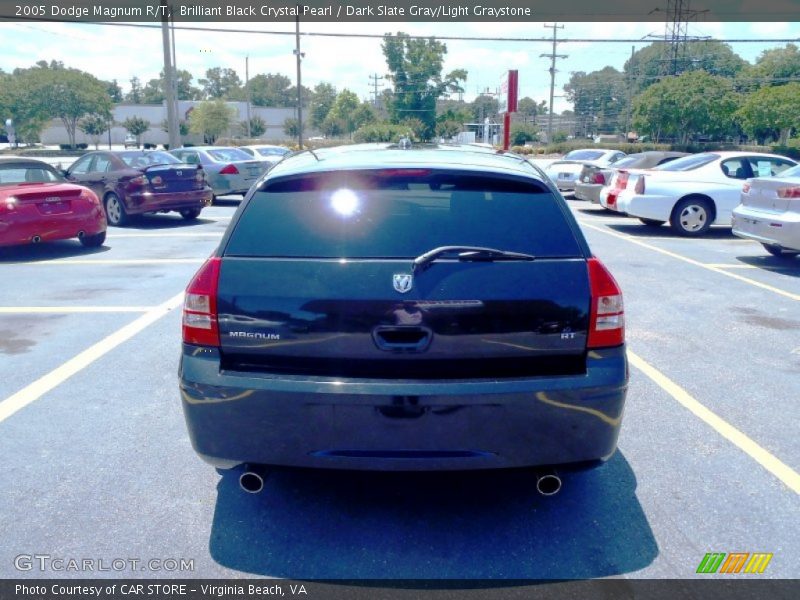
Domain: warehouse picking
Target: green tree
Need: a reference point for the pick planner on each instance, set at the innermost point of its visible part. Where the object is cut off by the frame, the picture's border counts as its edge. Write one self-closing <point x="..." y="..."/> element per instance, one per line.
<point x="343" y="112"/>
<point x="484" y="106"/>
<point x="183" y="127"/>
<point x="211" y="119"/>
<point x="692" y="104"/>
<point x="649" y="64"/>
<point x="528" y="108"/>
<point x="322" y="100"/>
<point x="771" y="112"/>
<point x="599" y="100"/>
<point x="114" y="91"/>
<point x="153" y="92"/>
<point x="415" y="69"/>
<point x="272" y="89"/>
<point x="137" y="126"/>
<point x="257" y="126"/>
<point x="221" y="83"/>
<point x="94" y="126"/>
<point x="135" y="95"/>
<point x="523" y="132"/>
<point x="54" y="91"/>
<point x="777" y="66"/>
<point x="380" y="131"/>
<point x="291" y="127"/>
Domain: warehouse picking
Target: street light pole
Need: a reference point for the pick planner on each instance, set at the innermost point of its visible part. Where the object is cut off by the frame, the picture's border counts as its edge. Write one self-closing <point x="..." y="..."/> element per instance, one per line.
<point x="247" y="89"/>
<point x="299" y="55"/>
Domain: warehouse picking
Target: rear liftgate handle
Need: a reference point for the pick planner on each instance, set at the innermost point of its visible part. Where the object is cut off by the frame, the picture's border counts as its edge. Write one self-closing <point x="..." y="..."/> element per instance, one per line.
<point x="402" y="339"/>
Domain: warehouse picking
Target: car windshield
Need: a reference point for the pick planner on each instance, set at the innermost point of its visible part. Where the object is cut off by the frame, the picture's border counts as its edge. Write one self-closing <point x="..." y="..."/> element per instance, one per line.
<point x="138" y="160"/>
<point x="228" y="154"/>
<point x="16" y="173"/>
<point x="631" y="160"/>
<point x="272" y="151"/>
<point x="584" y="155"/>
<point x="391" y="214"/>
<point x="688" y="163"/>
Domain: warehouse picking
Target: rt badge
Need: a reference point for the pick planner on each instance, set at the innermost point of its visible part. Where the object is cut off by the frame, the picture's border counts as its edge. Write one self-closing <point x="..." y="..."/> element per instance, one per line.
<point x="402" y="282"/>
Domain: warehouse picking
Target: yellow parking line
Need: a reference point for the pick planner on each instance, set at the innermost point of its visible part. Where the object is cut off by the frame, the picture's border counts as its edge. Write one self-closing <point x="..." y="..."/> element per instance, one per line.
<point x="21" y="310"/>
<point x="112" y="261"/>
<point x="691" y="261"/>
<point x="762" y="456"/>
<point x="59" y="375"/>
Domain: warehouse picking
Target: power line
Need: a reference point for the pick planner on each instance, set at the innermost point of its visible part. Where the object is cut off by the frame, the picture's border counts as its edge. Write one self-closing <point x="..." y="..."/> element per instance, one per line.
<point x="374" y="82"/>
<point x="426" y="37"/>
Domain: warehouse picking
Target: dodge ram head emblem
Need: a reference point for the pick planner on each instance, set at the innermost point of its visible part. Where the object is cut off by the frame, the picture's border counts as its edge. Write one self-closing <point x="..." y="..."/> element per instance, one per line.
<point x="402" y="282"/>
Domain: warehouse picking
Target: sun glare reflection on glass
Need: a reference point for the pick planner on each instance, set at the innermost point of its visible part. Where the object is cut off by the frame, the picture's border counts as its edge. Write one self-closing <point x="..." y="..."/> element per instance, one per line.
<point x="344" y="202"/>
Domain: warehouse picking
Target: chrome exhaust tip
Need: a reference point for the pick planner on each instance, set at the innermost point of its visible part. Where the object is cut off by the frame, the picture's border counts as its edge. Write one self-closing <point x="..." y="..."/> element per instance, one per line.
<point x="548" y="483"/>
<point x="252" y="480"/>
<point x="36" y="239"/>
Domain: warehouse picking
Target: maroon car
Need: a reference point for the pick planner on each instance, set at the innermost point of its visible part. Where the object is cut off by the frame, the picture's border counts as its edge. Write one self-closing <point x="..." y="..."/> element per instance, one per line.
<point x="136" y="182"/>
<point x="38" y="205"/>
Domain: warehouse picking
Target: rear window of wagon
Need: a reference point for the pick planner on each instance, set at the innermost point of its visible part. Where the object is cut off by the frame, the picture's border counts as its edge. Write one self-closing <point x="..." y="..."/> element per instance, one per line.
<point x="399" y="213"/>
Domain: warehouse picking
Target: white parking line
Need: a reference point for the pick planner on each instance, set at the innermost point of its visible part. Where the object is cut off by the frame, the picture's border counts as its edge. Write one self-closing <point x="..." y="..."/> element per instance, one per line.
<point x="59" y="375"/>
<point x="696" y="263"/>
<point x="22" y="310"/>
<point x="762" y="456"/>
<point x="163" y="234"/>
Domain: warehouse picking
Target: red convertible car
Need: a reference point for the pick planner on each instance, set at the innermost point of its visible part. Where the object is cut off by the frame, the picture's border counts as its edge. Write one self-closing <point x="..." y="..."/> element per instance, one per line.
<point x="38" y="205"/>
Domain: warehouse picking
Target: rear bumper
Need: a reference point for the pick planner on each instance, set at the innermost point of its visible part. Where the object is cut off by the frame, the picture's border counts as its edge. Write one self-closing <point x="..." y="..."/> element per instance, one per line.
<point x="20" y="227"/>
<point x="768" y="227"/>
<point x="236" y="418"/>
<point x="157" y="201"/>
<point x="590" y="192"/>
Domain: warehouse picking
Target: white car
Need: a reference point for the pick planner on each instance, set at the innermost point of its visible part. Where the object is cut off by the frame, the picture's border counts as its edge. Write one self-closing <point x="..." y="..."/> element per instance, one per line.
<point x="565" y="171"/>
<point x="267" y="153"/>
<point x="693" y="192"/>
<point x="770" y="213"/>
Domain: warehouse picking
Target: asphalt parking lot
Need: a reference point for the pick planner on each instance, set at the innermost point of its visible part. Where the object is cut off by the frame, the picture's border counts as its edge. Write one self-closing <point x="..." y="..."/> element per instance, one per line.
<point x="98" y="465"/>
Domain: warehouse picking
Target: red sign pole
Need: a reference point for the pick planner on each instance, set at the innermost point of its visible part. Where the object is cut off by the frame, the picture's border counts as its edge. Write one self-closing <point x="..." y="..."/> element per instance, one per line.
<point x="506" y="130"/>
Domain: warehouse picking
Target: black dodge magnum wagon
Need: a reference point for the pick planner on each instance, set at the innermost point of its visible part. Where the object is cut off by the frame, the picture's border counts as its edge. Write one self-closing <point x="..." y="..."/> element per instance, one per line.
<point x="403" y="308"/>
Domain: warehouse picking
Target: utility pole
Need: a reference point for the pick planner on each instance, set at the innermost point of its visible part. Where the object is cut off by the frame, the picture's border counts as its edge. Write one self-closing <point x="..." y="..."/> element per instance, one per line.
<point x="630" y="92"/>
<point x="553" y="56"/>
<point x="299" y="55"/>
<point x="169" y="80"/>
<point x="374" y="82"/>
<point x="247" y="89"/>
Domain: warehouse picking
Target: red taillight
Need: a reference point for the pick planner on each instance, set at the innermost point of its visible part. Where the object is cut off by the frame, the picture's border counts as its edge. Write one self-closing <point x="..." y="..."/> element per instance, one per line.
<point x="200" y="306"/>
<point x="229" y="170"/>
<point x="611" y="199"/>
<point x="789" y="192"/>
<point x="140" y="180"/>
<point x="607" y="320"/>
<point x="599" y="178"/>
<point x="639" y="188"/>
<point x="622" y="180"/>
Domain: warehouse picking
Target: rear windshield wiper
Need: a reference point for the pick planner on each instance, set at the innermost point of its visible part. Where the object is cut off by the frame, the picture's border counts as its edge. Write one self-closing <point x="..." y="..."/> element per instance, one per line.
<point x="471" y="253"/>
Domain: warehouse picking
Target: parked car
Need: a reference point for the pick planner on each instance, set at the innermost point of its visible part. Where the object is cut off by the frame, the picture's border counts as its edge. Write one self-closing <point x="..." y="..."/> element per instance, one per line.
<point x="374" y="307"/>
<point x="593" y="178"/>
<point x="769" y="212"/>
<point x="693" y="192"/>
<point x="134" y="182"/>
<point x="565" y="171"/>
<point x="130" y="141"/>
<point x="38" y="205"/>
<point x="266" y="153"/>
<point x="228" y="170"/>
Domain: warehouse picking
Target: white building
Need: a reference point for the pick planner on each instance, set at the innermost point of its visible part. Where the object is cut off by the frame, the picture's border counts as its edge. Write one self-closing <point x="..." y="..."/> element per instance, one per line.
<point x="156" y="114"/>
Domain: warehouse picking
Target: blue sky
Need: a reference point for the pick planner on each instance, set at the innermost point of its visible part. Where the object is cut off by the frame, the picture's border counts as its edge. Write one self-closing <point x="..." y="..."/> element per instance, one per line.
<point x="121" y="53"/>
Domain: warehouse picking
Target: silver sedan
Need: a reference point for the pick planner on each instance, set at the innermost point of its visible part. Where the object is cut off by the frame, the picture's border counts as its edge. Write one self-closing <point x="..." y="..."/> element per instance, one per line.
<point x="769" y="212"/>
<point x="228" y="170"/>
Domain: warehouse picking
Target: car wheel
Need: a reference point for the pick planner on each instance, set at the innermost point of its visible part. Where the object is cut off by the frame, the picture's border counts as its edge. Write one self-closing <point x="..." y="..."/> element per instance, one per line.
<point x="190" y="214"/>
<point x="94" y="241"/>
<point x="778" y="251"/>
<point x="651" y="222"/>
<point x="115" y="211"/>
<point x="692" y="216"/>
